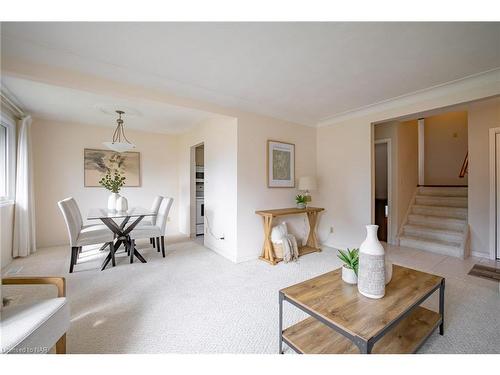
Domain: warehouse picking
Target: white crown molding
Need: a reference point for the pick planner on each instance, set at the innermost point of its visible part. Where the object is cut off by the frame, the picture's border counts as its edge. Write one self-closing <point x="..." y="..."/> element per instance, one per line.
<point x="11" y="102"/>
<point x="446" y="89"/>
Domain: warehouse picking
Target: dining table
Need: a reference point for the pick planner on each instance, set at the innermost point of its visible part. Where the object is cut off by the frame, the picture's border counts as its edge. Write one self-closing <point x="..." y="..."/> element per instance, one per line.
<point x="119" y="222"/>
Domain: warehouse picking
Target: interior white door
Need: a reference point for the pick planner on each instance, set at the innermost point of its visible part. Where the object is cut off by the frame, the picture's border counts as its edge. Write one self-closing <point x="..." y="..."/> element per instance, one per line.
<point x="497" y="193"/>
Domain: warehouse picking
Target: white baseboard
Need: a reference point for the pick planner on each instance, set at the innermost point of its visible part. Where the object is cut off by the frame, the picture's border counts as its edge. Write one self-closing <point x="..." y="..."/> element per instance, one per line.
<point x="481" y="255"/>
<point x="247" y="258"/>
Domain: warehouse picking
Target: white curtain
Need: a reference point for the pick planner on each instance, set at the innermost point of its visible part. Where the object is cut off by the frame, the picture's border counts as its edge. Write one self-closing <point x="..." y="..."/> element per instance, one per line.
<point x="24" y="216"/>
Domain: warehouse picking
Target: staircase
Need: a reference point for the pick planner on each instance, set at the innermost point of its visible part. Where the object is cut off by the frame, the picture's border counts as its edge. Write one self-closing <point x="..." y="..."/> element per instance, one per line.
<point x="437" y="221"/>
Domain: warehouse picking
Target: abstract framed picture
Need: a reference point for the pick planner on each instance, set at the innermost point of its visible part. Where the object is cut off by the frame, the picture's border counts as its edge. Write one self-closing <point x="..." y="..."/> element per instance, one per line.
<point x="99" y="162"/>
<point x="280" y="164"/>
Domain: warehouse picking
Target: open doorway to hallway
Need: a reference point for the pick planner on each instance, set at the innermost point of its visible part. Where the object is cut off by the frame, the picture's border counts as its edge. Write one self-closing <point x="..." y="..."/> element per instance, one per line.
<point x="198" y="192"/>
<point x="428" y="182"/>
<point x="382" y="189"/>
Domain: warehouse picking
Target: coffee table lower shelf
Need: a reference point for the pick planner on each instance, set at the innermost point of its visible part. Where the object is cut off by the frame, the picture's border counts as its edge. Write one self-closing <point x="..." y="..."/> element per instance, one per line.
<point x="310" y="336"/>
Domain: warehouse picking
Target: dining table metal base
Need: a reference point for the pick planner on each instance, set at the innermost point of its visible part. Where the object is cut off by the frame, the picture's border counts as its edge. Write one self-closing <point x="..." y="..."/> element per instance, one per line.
<point x="122" y="237"/>
<point x="128" y="245"/>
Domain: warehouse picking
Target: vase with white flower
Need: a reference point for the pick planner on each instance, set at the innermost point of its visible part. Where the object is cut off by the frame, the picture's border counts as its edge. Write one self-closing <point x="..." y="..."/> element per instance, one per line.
<point x="114" y="181"/>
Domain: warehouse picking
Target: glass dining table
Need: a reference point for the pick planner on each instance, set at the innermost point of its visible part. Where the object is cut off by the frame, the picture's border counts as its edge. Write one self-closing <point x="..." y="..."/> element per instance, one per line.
<point x="121" y="230"/>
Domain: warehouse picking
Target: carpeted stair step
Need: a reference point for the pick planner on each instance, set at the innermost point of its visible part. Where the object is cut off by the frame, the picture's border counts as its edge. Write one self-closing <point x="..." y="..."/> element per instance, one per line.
<point x="426" y="232"/>
<point x="452" y="212"/>
<point x="439" y="247"/>
<point x="443" y="191"/>
<point x="443" y="201"/>
<point x="437" y="222"/>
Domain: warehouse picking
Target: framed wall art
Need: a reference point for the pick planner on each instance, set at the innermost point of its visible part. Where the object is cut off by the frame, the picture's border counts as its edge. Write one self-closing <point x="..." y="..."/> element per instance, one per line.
<point x="280" y="164"/>
<point x="99" y="162"/>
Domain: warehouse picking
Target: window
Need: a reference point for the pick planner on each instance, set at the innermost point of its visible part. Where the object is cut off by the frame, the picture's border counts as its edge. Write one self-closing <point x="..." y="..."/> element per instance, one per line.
<point x="7" y="159"/>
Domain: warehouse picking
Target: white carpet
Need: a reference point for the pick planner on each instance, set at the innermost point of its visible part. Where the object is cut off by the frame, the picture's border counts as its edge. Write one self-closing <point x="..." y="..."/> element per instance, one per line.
<point x="195" y="301"/>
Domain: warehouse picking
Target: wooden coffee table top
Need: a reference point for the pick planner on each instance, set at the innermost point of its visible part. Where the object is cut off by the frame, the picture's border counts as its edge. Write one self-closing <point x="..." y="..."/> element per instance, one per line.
<point x="343" y="306"/>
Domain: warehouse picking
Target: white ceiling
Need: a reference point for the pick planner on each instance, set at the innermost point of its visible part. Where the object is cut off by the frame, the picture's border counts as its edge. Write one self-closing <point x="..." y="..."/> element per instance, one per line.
<point x="304" y="72"/>
<point x="63" y="104"/>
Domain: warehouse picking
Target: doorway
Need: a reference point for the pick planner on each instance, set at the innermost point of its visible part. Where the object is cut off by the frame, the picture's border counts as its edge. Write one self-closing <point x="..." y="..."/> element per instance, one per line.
<point x="198" y="192"/>
<point x="383" y="188"/>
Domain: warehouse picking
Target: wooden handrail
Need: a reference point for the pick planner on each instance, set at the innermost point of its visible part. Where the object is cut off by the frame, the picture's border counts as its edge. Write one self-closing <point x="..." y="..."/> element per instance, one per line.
<point x="465" y="166"/>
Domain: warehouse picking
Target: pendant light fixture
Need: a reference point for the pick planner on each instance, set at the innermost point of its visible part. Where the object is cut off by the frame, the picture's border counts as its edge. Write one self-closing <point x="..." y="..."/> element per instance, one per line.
<point x="120" y="143"/>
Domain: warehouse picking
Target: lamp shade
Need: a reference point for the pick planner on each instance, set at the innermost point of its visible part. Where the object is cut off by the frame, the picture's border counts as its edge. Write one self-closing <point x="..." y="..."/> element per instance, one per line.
<point x="307" y="183"/>
<point x="119" y="146"/>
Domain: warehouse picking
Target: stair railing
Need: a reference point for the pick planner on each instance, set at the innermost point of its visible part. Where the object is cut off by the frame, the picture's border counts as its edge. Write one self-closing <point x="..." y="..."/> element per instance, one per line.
<point x="465" y="166"/>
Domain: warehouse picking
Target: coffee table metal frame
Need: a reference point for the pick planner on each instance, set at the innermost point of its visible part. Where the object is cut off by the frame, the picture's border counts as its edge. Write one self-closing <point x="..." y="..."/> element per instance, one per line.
<point x="365" y="346"/>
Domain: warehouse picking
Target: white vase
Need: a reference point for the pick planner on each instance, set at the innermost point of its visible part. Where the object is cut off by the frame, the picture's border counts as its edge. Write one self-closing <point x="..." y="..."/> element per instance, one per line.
<point x="121" y="204"/>
<point x="113" y="197"/>
<point x="371" y="272"/>
<point x="349" y="276"/>
<point x="388" y="271"/>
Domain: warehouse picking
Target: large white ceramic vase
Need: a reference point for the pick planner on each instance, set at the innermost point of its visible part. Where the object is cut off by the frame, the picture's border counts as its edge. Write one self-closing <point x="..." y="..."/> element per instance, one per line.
<point x="121" y="204"/>
<point x="113" y="197"/>
<point x="371" y="272"/>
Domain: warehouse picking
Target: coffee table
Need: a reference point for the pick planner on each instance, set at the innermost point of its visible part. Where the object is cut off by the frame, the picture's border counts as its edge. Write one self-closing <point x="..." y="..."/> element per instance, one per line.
<point x="344" y="321"/>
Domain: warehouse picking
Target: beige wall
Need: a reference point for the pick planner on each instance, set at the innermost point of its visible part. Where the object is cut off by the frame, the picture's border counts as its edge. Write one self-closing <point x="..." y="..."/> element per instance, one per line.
<point x="344" y="179"/>
<point x="345" y="158"/>
<point x="445" y="148"/>
<point x="344" y="153"/>
<point x="58" y="166"/>
<point x="253" y="193"/>
<point x="407" y="167"/>
<point x="219" y="137"/>
<point x="483" y="115"/>
<point x="6" y="228"/>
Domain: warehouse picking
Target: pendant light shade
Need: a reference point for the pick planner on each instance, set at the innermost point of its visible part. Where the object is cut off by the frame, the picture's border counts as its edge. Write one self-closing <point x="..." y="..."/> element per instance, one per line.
<point x="120" y="143"/>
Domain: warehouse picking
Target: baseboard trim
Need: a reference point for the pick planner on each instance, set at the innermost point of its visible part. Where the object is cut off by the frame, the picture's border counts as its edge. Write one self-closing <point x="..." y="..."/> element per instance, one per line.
<point x="478" y="254"/>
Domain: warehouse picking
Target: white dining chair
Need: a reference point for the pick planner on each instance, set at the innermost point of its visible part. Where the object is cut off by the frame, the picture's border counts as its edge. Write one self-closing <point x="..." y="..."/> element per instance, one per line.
<point x="83" y="235"/>
<point x="156" y="231"/>
<point x="152" y="220"/>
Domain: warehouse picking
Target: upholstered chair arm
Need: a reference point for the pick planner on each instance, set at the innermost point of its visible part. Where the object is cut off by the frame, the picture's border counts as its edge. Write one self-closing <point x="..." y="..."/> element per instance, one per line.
<point x="59" y="282"/>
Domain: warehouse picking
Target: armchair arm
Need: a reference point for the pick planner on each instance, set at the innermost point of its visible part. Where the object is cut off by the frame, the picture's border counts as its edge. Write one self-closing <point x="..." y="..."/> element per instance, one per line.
<point x="59" y="282"/>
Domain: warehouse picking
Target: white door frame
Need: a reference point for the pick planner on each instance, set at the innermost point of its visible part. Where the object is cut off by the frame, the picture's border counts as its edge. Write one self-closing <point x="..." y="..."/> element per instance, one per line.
<point x="388" y="141"/>
<point x="493" y="196"/>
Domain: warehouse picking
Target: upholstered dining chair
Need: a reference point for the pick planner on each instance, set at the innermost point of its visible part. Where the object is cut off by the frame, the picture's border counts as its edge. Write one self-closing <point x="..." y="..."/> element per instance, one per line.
<point x="83" y="235"/>
<point x="152" y="220"/>
<point x="158" y="230"/>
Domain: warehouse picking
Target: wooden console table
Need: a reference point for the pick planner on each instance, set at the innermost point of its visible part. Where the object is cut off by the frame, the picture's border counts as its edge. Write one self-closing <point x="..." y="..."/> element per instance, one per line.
<point x="268" y="216"/>
<point x="344" y="321"/>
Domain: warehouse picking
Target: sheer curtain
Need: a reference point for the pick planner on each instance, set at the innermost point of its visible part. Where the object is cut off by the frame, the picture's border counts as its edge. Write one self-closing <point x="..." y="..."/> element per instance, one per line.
<point x="24" y="214"/>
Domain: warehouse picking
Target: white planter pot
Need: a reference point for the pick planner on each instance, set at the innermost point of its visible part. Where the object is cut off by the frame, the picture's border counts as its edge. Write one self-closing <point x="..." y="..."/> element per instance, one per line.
<point x="121" y="204"/>
<point x="349" y="276"/>
<point x="113" y="197"/>
<point x="371" y="272"/>
<point x="301" y="205"/>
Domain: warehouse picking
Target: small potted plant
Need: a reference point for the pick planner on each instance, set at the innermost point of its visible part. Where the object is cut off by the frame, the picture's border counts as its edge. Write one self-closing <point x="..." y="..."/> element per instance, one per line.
<point x="114" y="184"/>
<point x="301" y="201"/>
<point x="350" y="258"/>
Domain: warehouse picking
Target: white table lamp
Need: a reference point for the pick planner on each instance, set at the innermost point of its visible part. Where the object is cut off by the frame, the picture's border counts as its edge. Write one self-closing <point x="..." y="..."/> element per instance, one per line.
<point x="307" y="183"/>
